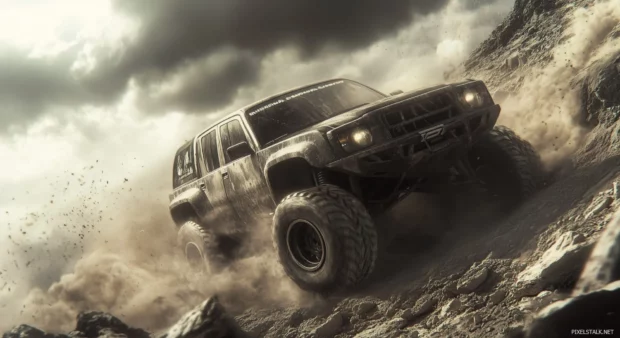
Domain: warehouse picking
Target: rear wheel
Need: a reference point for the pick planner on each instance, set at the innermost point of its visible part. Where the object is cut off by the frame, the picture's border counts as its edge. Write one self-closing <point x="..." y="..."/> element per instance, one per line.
<point x="325" y="239"/>
<point x="200" y="248"/>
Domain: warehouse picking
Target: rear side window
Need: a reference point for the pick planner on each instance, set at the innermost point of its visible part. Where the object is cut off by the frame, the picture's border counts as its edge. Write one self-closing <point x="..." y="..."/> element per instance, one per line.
<point x="209" y="151"/>
<point x="231" y="134"/>
<point x="184" y="169"/>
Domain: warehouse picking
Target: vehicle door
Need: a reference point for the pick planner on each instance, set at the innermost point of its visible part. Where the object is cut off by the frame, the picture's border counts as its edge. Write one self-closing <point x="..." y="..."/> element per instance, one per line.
<point x="245" y="184"/>
<point x="223" y="214"/>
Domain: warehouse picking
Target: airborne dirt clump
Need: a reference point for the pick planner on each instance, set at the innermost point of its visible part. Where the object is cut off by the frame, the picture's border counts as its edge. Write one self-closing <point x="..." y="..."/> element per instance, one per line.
<point x="555" y="66"/>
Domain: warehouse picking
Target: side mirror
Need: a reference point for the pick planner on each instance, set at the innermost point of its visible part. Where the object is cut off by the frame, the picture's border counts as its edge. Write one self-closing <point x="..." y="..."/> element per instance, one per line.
<point x="239" y="150"/>
<point x="396" y="92"/>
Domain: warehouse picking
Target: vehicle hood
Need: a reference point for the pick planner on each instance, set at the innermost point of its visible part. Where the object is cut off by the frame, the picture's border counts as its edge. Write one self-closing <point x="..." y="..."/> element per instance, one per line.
<point x="353" y="114"/>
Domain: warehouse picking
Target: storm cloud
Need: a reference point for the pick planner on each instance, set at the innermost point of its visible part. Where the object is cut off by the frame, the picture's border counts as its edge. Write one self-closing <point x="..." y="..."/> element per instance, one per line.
<point x="30" y="85"/>
<point x="197" y="56"/>
<point x="173" y="34"/>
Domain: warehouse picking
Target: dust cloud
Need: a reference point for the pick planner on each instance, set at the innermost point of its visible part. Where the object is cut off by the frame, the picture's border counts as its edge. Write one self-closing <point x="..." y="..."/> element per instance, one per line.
<point x="131" y="268"/>
<point x="546" y="108"/>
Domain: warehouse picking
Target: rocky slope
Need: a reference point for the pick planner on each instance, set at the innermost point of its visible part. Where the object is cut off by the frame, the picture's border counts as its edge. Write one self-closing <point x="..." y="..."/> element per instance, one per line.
<point x="550" y="267"/>
<point x="571" y="282"/>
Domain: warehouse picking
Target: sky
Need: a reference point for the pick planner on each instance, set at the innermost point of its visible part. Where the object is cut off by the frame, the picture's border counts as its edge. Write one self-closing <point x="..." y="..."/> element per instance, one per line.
<point x="114" y="80"/>
<point x="95" y="96"/>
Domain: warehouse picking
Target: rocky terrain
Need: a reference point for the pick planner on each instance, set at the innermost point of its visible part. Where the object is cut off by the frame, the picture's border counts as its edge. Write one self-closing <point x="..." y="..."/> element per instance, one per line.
<point x="551" y="267"/>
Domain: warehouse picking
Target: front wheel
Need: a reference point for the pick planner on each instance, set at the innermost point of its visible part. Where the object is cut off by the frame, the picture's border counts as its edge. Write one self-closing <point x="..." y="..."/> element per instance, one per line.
<point x="325" y="239"/>
<point x="508" y="167"/>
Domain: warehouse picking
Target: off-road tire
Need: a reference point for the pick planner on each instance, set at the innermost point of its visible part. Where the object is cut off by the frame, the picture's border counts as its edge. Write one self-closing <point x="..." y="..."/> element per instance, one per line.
<point x="514" y="160"/>
<point x="194" y="239"/>
<point x="347" y="230"/>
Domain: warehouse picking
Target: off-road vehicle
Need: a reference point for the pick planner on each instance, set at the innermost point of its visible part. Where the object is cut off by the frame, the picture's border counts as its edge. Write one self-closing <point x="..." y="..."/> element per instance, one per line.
<point x="317" y="163"/>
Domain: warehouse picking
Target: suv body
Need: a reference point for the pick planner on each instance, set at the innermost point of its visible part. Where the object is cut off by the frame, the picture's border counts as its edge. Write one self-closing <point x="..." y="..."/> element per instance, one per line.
<point x="218" y="188"/>
<point x="378" y="148"/>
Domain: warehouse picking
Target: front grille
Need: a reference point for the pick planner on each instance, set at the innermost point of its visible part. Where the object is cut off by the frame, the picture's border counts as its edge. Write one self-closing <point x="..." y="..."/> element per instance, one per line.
<point x="422" y="112"/>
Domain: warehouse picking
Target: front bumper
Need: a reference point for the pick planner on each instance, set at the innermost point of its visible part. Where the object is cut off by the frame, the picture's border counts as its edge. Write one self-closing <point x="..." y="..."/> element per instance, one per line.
<point x="401" y="154"/>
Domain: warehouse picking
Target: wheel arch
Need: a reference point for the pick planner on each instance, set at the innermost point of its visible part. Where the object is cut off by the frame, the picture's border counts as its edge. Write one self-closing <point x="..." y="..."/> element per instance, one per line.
<point x="282" y="183"/>
<point x="297" y="164"/>
<point x="189" y="205"/>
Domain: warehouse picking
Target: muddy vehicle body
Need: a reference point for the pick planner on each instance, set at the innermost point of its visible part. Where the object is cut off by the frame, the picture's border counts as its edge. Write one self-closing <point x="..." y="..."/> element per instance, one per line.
<point x="317" y="163"/>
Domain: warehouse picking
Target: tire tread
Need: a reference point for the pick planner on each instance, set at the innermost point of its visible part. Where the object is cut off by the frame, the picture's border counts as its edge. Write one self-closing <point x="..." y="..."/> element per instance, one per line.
<point x="526" y="160"/>
<point x="359" y="237"/>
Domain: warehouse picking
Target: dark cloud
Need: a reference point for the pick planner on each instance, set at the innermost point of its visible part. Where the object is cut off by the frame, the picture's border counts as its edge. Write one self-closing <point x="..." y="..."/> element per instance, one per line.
<point x="174" y="33"/>
<point x="209" y="82"/>
<point x="194" y="55"/>
<point x="29" y="86"/>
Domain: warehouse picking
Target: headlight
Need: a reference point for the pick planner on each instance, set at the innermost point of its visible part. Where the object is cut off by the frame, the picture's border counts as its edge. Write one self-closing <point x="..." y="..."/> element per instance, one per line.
<point x="356" y="138"/>
<point x="362" y="137"/>
<point x="474" y="96"/>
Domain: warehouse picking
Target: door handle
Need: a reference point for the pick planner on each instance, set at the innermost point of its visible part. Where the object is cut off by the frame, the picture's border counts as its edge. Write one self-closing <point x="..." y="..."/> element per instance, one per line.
<point x="203" y="186"/>
<point x="224" y="174"/>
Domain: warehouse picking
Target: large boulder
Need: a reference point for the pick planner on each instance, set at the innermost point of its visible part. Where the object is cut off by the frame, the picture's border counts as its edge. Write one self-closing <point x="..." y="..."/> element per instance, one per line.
<point x="603" y="266"/>
<point x="601" y="93"/>
<point x="207" y="320"/>
<point x="91" y="324"/>
<point x="27" y="331"/>
<point x="97" y="324"/>
<point x="598" y="310"/>
<point x="558" y="265"/>
<point x="595" y="304"/>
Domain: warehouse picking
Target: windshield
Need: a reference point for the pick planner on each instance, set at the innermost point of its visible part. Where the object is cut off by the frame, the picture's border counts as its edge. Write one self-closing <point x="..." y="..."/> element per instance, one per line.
<point x="294" y="111"/>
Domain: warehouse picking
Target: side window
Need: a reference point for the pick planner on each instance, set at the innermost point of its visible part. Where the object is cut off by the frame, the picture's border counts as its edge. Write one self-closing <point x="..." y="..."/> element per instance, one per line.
<point x="209" y="151"/>
<point x="231" y="133"/>
<point x="183" y="170"/>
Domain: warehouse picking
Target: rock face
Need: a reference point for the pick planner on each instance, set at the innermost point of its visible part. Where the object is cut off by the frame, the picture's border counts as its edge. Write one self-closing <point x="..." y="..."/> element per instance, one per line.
<point x="472" y="280"/>
<point x="557" y="265"/>
<point x="89" y="325"/>
<point x="596" y="297"/>
<point x="596" y="310"/>
<point x="522" y="14"/>
<point x="601" y="93"/>
<point x="365" y="308"/>
<point x="603" y="266"/>
<point x="497" y="297"/>
<point x="27" y="331"/>
<point x="208" y="320"/>
<point x="96" y="324"/>
<point x="423" y="306"/>
<point x="331" y="327"/>
<point x="524" y="27"/>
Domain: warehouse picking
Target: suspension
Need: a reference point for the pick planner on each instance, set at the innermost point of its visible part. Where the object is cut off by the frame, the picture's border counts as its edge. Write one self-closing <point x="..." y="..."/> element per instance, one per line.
<point x="321" y="177"/>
